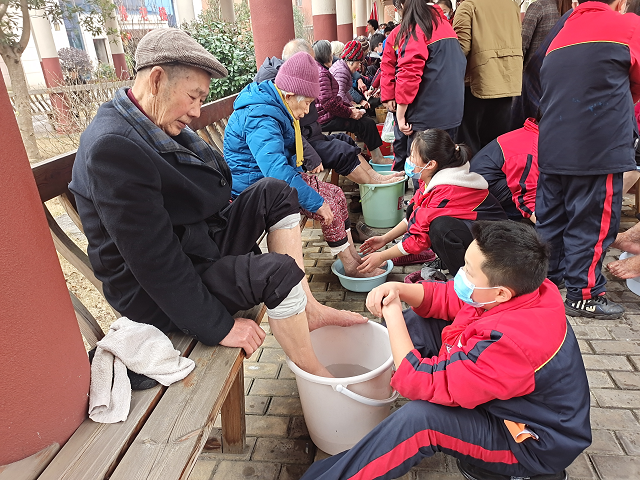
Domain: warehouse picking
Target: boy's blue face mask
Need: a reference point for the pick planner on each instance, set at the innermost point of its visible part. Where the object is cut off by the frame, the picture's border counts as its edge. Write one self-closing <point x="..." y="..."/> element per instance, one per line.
<point x="411" y="170"/>
<point x="464" y="289"/>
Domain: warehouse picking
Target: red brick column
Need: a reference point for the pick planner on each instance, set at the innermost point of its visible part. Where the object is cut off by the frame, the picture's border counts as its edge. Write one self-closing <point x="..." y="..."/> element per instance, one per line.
<point x="325" y="26"/>
<point x="272" y="26"/>
<point x="45" y="370"/>
<point x="344" y="19"/>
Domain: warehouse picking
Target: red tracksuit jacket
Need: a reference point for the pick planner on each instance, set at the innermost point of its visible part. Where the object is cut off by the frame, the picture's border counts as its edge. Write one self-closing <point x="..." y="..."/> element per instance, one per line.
<point x="452" y="192"/>
<point x="425" y="74"/>
<point x="509" y="164"/>
<point x="519" y="361"/>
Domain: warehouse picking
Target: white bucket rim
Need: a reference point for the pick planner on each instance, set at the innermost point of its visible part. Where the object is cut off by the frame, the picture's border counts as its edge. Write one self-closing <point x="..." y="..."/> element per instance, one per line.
<point x="344" y="381"/>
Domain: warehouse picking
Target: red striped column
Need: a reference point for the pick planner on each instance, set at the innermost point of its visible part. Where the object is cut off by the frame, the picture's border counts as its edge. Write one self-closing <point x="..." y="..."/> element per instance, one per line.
<point x="50" y="63"/>
<point x="344" y="19"/>
<point x="272" y="26"/>
<point x="325" y="26"/>
<point x="117" y="50"/>
<point x="44" y="384"/>
<point x="361" y="17"/>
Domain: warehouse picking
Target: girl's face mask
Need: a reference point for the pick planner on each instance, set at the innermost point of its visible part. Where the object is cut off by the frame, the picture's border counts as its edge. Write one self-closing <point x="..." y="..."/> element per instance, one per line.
<point x="412" y="170"/>
<point x="464" y="289"/>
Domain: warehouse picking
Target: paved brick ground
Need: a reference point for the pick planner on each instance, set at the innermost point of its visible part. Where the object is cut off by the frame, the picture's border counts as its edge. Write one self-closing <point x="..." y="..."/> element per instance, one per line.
<point x="278" y="444"/>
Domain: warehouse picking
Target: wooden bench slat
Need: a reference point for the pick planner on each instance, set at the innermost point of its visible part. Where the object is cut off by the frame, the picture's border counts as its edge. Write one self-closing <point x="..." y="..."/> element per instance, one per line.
<point x="89" y="327"/>
<point x="71" y="252"/>
<point x="53" y="175"/>
<point x="168" y="450"/>
<point x="29" y="468"/>
<point x="168" y="445"/>
<point x="93" y="450"/>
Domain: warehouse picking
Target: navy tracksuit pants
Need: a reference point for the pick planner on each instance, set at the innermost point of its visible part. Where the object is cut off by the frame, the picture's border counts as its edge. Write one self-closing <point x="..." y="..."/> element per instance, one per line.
<point x="579" y="216"/>
<point x="420" y="429"/>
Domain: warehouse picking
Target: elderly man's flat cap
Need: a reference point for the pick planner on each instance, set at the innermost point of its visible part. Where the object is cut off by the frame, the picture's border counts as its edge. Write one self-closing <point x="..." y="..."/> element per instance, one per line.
<point x="172" y="45"/>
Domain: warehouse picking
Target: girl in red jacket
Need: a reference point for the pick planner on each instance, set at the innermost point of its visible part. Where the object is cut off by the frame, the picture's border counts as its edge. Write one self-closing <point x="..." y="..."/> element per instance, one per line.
<point x="443" y="208"/>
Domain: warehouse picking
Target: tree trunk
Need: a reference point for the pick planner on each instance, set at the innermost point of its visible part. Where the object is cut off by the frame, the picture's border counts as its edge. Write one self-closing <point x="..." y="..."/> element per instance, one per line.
<point x="22" y="103"/>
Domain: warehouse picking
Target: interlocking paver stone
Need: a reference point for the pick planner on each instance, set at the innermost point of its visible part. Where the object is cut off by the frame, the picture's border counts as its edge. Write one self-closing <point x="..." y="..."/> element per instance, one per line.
<point x="627" y="380"/>
<point x="203" y="470"/>
<point x="616" y="347"/>
<point x="625" y="332"/>
<point x="604" y="441"/>
<point x="606" y="362"/>
<point x="581" y="469"/>
<point x="261" y="369"/>
<point x="617" y="398"/>
<point x="285" y="406"/>
<point x="279" y="388"/>
<point x="247" y="471"/>
<point x="267" y="426"/>
<point x="617" y="468"/>
<point x="284" y="450"/>
<point x="610" y="419"/>
<point x="630" y="442"/>
<point x="599" y="379"/>
<point x="255" y="405"/>
<point x="590" y="333"/>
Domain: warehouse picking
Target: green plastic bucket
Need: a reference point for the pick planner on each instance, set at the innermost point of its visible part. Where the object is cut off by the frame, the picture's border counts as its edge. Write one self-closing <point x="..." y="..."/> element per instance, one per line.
<point x="381" y="167"/>
<point x="382" y="205"/>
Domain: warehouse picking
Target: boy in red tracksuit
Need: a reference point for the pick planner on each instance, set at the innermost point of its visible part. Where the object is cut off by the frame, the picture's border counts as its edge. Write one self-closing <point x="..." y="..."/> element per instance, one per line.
<point x="509" y="164"/>
<point x="491" y="364"/>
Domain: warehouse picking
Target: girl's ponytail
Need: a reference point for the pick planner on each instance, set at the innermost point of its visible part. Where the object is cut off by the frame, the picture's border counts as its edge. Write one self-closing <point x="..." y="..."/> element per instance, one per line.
<point x="436" y="144"/>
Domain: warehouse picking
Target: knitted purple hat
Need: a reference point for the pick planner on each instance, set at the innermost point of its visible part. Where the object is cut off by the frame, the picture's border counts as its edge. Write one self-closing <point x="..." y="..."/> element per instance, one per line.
<point x="353" y="51"/>
<point x="299" y="75"/>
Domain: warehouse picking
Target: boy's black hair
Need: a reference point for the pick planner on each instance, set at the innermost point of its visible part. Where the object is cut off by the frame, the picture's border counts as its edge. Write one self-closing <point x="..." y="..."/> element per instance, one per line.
<point x="389" y="29"/>
<point x="374" y="23"/>
<point x="376" y="39"/>
<point x="515" y="256"/>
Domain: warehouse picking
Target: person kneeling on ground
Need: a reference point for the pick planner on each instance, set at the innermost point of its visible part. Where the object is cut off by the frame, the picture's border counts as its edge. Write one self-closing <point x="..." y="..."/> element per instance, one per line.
<point x="491" y="365"/>
<point x="263" y="139"/>
<point x="509" y="164"/>
<point x="169" y="247"/>
<point x="442" y="209"/>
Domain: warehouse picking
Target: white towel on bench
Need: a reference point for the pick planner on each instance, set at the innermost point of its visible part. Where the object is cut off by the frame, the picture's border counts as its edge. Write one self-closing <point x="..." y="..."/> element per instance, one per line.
<point x="139" y="347"/>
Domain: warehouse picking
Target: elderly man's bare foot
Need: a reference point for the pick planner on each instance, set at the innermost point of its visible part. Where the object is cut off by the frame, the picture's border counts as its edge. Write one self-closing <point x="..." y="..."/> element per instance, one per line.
<point x="321" y="316"/>
<point x="628" y="241"/>
<point x="350" y="265"/>
<point x="627" y="268"/>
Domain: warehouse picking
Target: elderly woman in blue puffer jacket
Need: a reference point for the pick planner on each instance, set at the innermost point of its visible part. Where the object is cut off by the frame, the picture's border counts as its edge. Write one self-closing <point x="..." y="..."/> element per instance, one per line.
<point x="263" y="139"/>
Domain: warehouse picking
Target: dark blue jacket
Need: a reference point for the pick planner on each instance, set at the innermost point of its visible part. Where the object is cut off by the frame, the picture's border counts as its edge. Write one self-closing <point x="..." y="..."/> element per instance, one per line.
<point x="590" y="80"/>
<point x="259" y="142"/>
<point x="147" y="203"/>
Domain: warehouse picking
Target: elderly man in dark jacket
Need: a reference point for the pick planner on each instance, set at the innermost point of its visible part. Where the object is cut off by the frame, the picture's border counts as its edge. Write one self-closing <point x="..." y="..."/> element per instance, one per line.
<point x="169" y="247"/>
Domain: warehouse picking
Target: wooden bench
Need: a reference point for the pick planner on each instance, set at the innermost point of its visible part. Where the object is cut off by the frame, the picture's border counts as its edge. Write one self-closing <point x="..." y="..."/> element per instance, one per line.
<point x="167" y="427"/>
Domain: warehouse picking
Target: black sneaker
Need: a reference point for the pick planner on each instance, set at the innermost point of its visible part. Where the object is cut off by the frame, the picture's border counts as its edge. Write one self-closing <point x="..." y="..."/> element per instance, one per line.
<point x="473" y="472"/>
<point x="365" y="231"/>
<point x="597" y="307"/>
<point x="137" y="380"/>
<point x="437" y="264"/>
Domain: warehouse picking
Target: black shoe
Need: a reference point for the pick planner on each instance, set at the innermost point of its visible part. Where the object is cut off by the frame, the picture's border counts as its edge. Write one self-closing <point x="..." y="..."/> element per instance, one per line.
<point x="137" y="380"/>
<point x="597" y="307"/>
<point x="365" y="231"/>
<point x="473" y="472"/>
<point x="437" y="264"/>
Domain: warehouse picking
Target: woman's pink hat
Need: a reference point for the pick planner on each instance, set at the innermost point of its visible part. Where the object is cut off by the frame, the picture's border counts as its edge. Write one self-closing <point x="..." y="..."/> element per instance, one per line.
<point x="299" y="75"/>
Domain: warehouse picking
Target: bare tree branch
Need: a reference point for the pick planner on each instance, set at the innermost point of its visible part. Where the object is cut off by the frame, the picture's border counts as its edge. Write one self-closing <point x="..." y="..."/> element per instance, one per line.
<point x="3" y="9"/>
<point x="26" y="26"/>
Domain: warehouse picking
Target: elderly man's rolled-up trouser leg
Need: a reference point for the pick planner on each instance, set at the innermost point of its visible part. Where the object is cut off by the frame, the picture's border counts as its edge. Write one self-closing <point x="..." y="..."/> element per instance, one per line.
<point x="240" y="279"/>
